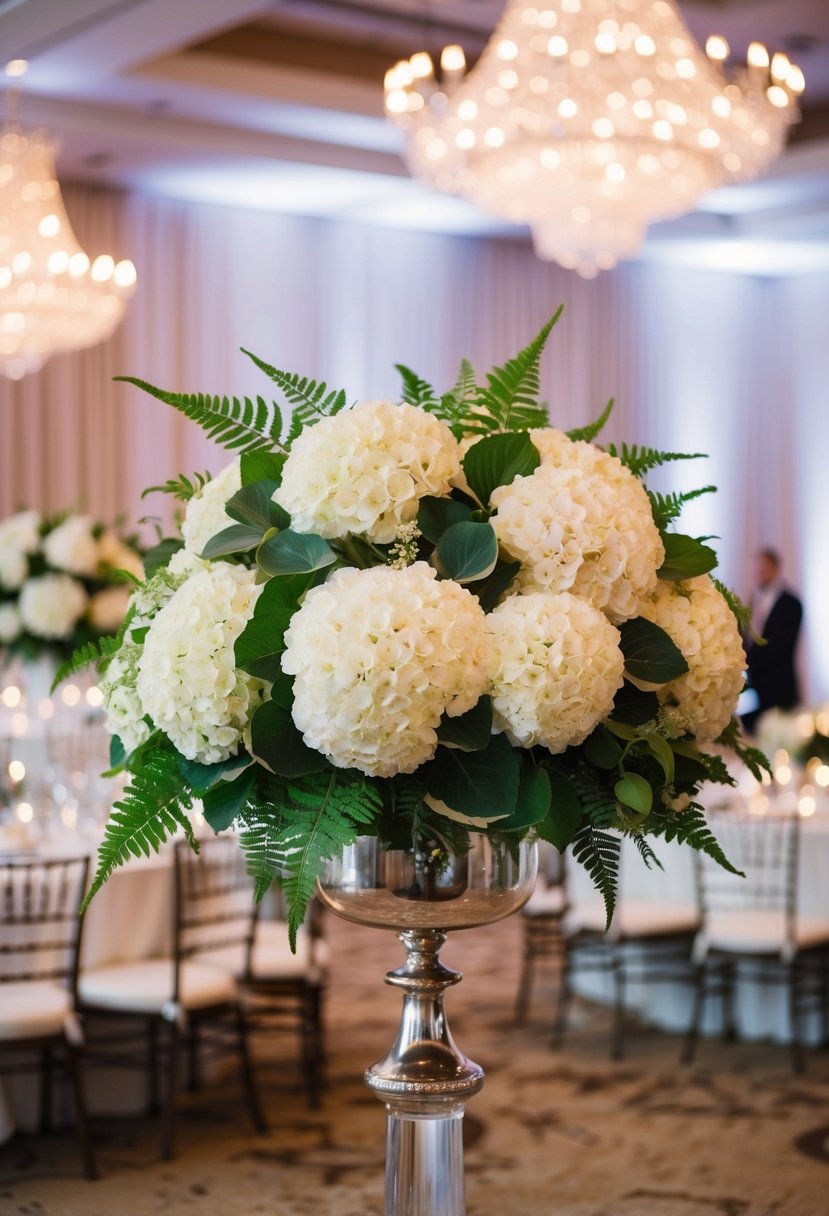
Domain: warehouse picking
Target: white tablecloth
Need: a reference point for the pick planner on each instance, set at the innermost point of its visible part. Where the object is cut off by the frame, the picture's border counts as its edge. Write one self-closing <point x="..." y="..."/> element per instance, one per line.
<point x="761" y="1010"/>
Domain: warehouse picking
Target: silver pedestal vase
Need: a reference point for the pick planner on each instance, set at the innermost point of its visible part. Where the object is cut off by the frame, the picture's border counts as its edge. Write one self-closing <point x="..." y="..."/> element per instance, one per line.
<point x="425" y="1080"/>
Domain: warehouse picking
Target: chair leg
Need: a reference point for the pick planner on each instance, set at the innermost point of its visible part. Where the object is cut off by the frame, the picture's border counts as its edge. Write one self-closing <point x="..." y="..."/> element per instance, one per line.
<point x="81" y="1121"/>
<point x="689" y="1049"/>
<point x="251" y="1095"/>
<point x="168" y="1106"/>
<point x="729" y="981"/>
<point x="793" y="977"/>
<point x="153" y="1103"/>
<point x="46" y="1089"/>
<point x="617" y="1044"/>
<point x="522" y="1000"/>
<point x="563" y="1000"/>
<point x="193" y="1062"/>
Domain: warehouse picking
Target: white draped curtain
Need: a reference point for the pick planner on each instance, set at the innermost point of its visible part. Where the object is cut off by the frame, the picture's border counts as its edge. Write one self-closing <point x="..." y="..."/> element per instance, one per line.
<point x="698" y="361"/>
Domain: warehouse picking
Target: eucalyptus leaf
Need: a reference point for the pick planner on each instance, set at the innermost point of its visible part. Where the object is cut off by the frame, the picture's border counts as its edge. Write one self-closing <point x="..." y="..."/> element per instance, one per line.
<point x="276" y="743"/>
<point x="483" y="783"/>
<point x="650" y="654"/>
<point x="238" y="538"/>
<point x="435" y="515"/>
<point x="635" y="792"/>
<point x="470" y="731"/>
<point x="685" y="557"/>
<point x="497" y="460"/>
<point x="468" y="551"/>
<point x="262" y="466"/>
<point x="294" y="553"/>
<point x="254" y="505"/>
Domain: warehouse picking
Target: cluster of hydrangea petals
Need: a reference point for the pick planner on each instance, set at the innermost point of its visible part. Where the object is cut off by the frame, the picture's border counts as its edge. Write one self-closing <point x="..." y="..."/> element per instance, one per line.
<point x="365" y="470"/>
<point x="188" y="682"/>
<point x="379" y="655"/>
<point x="205" y="516"/>
<point x="582" y="523"/>
<point x="19" y="536"/>
<point x="51" y="605"/>
<point x="698" y="619"/>
<point x="72" y="546"/>
<point x="554" y="666"/>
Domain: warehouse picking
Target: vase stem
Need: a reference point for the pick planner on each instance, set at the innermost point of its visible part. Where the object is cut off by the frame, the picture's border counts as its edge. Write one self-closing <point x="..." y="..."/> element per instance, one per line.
<point x="424" y="1082"/>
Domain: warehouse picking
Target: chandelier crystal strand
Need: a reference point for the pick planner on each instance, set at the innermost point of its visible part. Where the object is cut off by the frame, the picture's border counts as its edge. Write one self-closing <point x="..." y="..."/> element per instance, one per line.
<point x="590" y="119"/>
<point x="52" y="297"/>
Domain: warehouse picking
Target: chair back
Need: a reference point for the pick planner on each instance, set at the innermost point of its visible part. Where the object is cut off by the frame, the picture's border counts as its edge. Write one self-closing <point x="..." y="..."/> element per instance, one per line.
<point x="765" y="849"/>
<point x="213" y="906"/>
<point x="40" y="922"/>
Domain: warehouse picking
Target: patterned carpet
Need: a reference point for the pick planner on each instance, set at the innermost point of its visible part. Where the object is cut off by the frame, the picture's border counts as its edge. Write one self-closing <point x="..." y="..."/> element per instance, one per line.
<point x="552" y="1134"/>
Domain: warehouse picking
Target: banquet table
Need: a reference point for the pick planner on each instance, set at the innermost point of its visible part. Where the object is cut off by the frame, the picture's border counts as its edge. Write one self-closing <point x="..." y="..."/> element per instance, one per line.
<point x="761" y="1011"/>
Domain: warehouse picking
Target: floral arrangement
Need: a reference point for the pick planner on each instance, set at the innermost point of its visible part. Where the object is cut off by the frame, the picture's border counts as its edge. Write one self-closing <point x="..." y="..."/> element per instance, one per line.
<point x="61" y="582"/>
<point x="417" y="620"/>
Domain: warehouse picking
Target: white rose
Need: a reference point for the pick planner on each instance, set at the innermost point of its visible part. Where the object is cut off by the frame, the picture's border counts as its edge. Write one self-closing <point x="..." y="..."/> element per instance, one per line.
<point x="10" y="626"/>
<point x="72" y="547"/>
<point x="205" y="515"/>
<point x="51" y="605"/>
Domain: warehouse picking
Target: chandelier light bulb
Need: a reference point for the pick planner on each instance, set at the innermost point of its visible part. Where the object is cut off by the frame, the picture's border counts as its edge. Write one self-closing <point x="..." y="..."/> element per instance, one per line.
<point x="588" y="120"/>
<point x="51" y="298"/>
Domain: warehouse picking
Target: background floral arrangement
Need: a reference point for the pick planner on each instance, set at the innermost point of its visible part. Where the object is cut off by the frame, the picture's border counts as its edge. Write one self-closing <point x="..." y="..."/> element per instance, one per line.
<point x="60" y="585"/>
<point x="418" y="619"/>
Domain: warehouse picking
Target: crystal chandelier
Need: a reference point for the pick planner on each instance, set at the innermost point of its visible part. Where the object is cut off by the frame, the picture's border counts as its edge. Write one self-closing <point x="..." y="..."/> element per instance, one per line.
<point x="52" y="298"/>
<point x="590" y="119"/>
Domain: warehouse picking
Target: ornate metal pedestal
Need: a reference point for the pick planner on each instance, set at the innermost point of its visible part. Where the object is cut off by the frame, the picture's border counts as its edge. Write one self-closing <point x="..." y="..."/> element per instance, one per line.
<point x="425" y="1080"/>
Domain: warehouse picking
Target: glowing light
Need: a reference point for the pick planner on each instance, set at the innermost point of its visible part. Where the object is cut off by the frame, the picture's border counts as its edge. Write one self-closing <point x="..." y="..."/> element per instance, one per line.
<point x="25" y="812"/>
<point x="70" y="694"/>
<point x="822" y="775"/>
<point x="17" y="770"/>
<point x="11" y="696"/>
<point x="94" y="696"/>
<point x="717" y="48"/>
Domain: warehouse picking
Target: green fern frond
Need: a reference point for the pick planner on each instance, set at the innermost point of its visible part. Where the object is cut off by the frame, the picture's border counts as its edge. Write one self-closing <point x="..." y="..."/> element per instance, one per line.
<point x="151" y="809"/>
<point x="180" y="487"/>
<point x="589" y="433"/>
<point x="756" y="761"/>
<point x="598" y="801"/>
<point x="599" y="853"/>
<point x="668" y="507"/>
<point x="641" y="460"/>
<point x="261" y="842"/>
<point x="510" y="403"/>
<point x="238" y="424"/>
<point x="466" y="385"/>
<point x="741" y="611"/>
<point x="415" y="390"/>
<point x="690" y="827"/>
<point x="311" y="399"/>
<point x="456" y="408"/>
<point x="85" y="656"/>
<point x="646" y="852"/>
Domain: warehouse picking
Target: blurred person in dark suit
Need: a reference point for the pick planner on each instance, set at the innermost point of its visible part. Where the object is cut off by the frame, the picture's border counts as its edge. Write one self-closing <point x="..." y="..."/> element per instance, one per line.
<point x="776" y="616"/>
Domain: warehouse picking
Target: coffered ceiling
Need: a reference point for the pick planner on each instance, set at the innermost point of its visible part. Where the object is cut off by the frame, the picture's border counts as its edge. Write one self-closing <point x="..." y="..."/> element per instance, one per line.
<point x="278" y="103"/>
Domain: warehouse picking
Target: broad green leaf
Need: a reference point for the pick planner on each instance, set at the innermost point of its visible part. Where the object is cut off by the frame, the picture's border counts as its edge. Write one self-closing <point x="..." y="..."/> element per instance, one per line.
<point x="262" y="466"/>
<point x="117" y="753"/>
<point x="662" y="751"/>
<point x="650" y="654"/>
<point x="497" y="460"/>
<point x="471" y="731"/>
<point x="254" y="505"/>
<point x="468" y="551"/>
<point x="483" y="783"/>
<point x="489" y="590"/>
<point x="238" y="538"/>
<point x="226" y="799"/>
<point x="602" y="749"/>
<point x="633" y="706"/>
<point x="635" y="792"/>
<point x="276" y="743"/>
<point x="157" y="557"/>
<point x="262" y="641"/>
<point x="435" y="515"/>
<point x="564" y="817"/>
<point x="294" y="553"/>
<point x="534" y="800"/>
<point x="202" y="777"/>
<point x="685" y="557"/>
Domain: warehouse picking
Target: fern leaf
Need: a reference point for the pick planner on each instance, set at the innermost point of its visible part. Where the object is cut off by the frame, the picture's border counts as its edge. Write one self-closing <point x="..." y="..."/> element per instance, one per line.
<point x="589" y="433"/>
<point x="646" y="852"/>
<point x="311" y="399"/>
<point x="756" y="761"/>
<point x="640" y="460"/>
<point x="152" y="808"/>
<point x="668" y="507"/>
<point x="456" y="408"/>
<point x="238" y="424"/>
<point x="415" y="390"/>
<point x="599" y="853"/>
<point x="261" y="842"/>
<point x="690" y="827"/>
<point x="85" y="656"/>
<point x="511" y="400"/>
<point x="180" y="487"/>
<point x="741" y="611"/>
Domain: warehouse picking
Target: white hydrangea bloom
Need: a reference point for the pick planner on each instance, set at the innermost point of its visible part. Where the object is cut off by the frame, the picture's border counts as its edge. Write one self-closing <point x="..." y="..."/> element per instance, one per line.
<point x="51" y="605"/>
<point x="365" y="470"/>
<point x="14" y="568"/>
<point x="21" y="532"/>
<point x="205" y="515"/>
<point x="697" y="617"/>
<point x="188" y="682"/>
<point x="122" y="704"/>
<point x="379" y="656"/>
<point x="581" y="523"/>
<point x="117" y="555"/>
<point x="554" y="665"/>
<point x="108" y="608"/>
<point x="72" y="547"/>
<point x="10" y="625"/>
